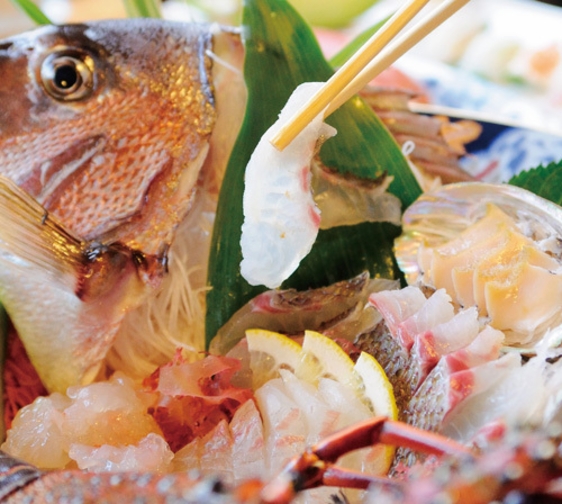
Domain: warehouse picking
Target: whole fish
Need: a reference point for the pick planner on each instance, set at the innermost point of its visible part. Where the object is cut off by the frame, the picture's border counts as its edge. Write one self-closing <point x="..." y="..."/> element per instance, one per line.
<point x="104" y="130"/>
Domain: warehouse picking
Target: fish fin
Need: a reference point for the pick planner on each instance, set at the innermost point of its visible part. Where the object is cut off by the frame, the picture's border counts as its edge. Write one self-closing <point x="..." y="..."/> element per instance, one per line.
<point x="29" y="233"/>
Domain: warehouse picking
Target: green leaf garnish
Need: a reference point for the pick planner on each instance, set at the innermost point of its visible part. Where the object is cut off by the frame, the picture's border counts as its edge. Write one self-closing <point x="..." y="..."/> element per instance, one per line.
<point x="544" y="181"/>
<point x="281" y="53"/>
<point x="142" y="8"/>
<point x="34" y="12"/>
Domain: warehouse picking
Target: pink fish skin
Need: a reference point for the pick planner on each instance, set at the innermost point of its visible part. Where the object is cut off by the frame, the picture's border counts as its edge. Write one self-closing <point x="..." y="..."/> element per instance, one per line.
<point x="104" y="131"/>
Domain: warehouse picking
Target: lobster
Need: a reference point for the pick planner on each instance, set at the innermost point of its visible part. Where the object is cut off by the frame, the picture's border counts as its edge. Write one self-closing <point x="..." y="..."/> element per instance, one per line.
<point x="515" y="466"/>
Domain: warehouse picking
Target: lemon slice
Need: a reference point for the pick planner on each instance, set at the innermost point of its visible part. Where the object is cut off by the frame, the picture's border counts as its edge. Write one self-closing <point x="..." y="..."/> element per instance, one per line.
<point x="324" y="358"/>
<point x="375" y="386"/>
<point x="270" y="352"/>
<point x="377" y="390"/>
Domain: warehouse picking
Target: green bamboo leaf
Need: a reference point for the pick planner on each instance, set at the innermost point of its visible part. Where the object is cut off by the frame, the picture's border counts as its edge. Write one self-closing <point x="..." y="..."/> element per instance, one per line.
<point x="281" y="53"/>
<point x="545" y="181"/>
<point x="34" y="12"/>
<point x="142" y="8"/>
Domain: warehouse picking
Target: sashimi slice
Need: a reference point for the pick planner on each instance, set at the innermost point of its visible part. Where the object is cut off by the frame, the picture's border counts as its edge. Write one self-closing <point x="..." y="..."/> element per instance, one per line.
<point x="444" y="338"/>
<point x="344" y="410"/>
<point x="281" y="220"/>
<point x="216" y="452"/>
<point x="319" y="418"/>
<point x="436" y="310"/>
<point x="516" y="397"/>
<point x="188" y="458"/>
<point x="457" y="332"/>
<point x="397" y="305"/>
<point x="284" y="425"/>
<point x="530" y="297"/>
<point x="248" y="450"/>
<point x="452" y="380"/>
<point x="467" y="248"/>
<point x="443" y="263"/>
<point x="235" y="450"/>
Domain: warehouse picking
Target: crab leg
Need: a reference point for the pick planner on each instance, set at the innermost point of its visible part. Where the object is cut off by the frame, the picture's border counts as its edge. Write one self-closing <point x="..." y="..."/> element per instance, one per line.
<point x="315" y="466"/>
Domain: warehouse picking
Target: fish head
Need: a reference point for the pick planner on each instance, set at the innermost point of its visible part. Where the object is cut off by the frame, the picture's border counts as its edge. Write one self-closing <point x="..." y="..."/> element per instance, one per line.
<point x="107" y="124"/>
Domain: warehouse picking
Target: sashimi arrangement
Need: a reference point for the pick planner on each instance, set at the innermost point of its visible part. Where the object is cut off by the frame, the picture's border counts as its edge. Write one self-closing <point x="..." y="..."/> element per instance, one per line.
<point x="193" y="300"/>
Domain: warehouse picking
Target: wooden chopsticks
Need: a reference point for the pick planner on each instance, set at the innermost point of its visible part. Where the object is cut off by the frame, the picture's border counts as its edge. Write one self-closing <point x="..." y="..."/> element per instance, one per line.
<point x="371" y="59"/>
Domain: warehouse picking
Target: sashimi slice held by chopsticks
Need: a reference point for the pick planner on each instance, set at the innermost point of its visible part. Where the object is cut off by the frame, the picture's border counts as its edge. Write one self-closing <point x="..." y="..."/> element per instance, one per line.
<point x="281" y="220"/>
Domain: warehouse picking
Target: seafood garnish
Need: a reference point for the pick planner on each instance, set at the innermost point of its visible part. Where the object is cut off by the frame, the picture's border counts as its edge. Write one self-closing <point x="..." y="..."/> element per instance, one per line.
<point x="496" y="247"/>
<point x="281" y="220"/>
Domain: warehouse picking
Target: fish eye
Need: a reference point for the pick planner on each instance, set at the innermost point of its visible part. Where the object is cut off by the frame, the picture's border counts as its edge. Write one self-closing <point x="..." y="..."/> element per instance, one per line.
<point x="68" y="77"/>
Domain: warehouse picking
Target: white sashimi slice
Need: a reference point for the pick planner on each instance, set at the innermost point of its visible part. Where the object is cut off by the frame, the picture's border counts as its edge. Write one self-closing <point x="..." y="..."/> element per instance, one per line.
<point x="444" y="338"/>
<point x="452" y="380"/>
<point x="504" y="390"/>
<point x="449" y="336"/>
<point x="281" y="220"/>
<point x="216" y="452"/>
<point x="235" y="451"/>
<point x="188" y="458"/>
<point x="458" y="332"/>
<point x="319" y="419"/>
<point x="397" y="305"/>
<point x="487" y="345"/>
<point x="346" y="409"/>
<point x="297" y="414"/>
<point x="248" y="443"/>
<point x="436" y="310"/>
<point x="284" y="425"/>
